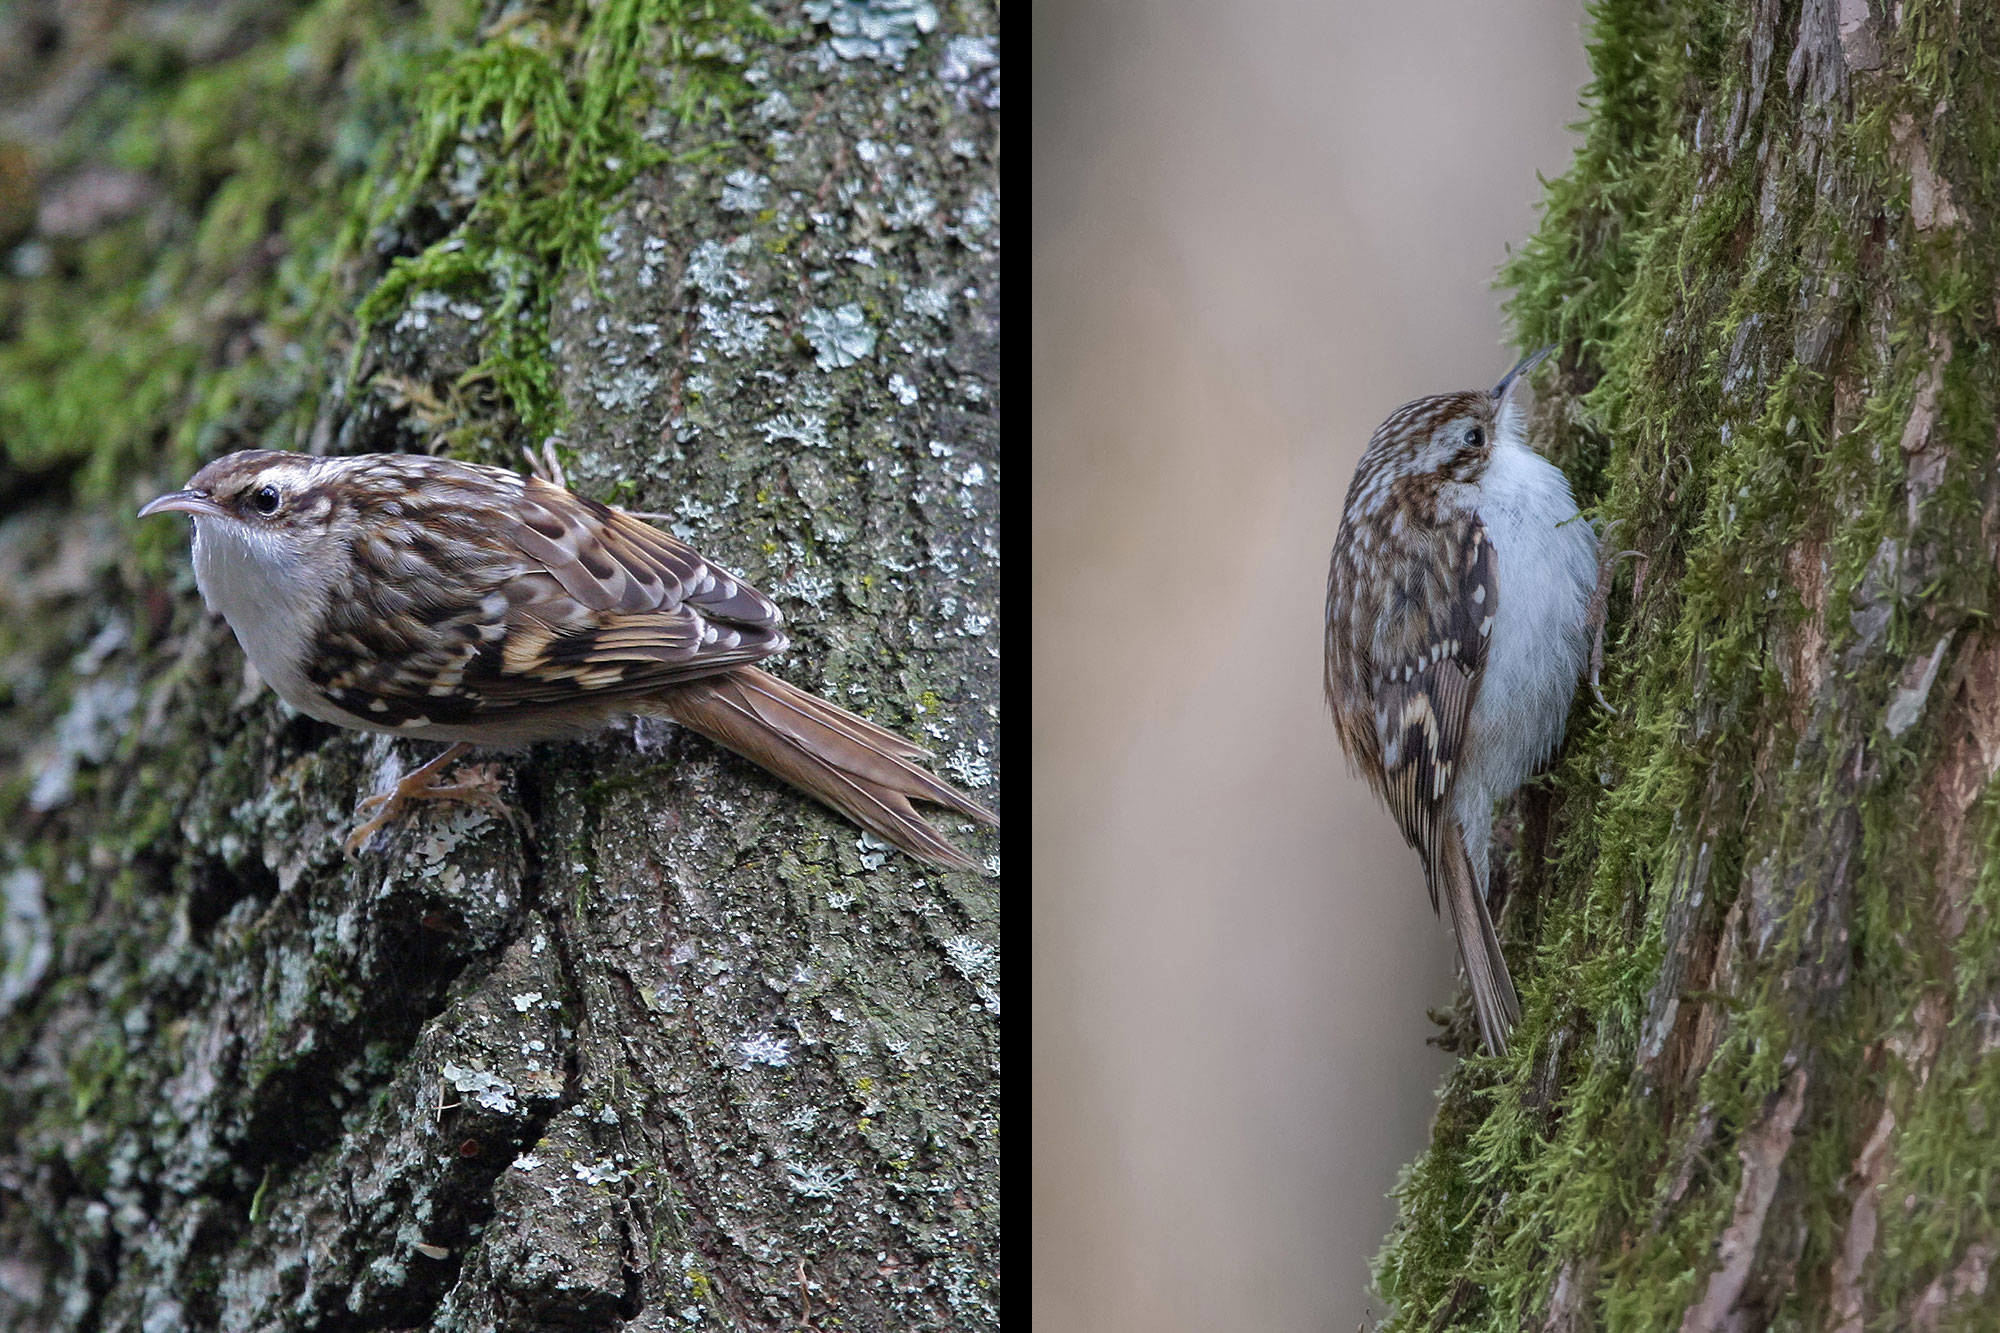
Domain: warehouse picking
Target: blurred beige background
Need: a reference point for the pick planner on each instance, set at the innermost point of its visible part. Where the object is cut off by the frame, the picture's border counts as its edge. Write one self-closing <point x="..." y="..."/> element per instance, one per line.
<point x="1258" y="227"/>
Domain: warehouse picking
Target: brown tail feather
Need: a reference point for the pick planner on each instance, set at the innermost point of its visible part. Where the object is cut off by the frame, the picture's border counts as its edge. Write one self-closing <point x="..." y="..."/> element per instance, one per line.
<point x="846" y="761"/>
<point x="1493" y="1000"/>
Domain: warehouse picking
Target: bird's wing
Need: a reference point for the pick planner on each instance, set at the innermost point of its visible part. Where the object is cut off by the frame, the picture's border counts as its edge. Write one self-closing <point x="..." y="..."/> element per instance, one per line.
<point x="1424" y="658"/>
<point x="546" y="597"/>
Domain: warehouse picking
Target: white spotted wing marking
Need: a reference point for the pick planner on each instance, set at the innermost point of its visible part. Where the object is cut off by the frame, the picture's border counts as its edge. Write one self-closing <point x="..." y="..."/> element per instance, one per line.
<point x="1422" y="704"/>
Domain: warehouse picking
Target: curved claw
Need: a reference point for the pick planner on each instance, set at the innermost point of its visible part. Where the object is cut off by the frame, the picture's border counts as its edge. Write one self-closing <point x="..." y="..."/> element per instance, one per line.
<point x="422" y="785"/>
<point x="1598" y="690"/>
<point x="1600" y="599"/>
<point x="548" y="467"/>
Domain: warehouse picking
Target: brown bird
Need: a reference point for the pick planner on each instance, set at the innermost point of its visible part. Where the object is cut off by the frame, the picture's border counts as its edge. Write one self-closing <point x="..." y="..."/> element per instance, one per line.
<point x="1457" y="624"/>
<point x="450" y="601"/>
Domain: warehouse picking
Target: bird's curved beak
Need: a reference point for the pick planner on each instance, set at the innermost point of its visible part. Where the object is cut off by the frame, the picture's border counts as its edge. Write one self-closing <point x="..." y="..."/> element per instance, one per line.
<point x="1527" y="363"/>
<point x="184" y="502"/>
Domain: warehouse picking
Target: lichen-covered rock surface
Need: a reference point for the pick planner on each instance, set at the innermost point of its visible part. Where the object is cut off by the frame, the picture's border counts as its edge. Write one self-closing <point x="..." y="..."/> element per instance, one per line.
<point x="676" y="1048"/>
<point x="1754" y="911"/>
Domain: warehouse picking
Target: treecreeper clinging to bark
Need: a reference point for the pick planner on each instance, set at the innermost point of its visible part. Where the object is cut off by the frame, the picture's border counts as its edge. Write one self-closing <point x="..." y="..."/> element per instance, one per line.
<point x="1457" y="625"/>
<point x="449" y="601"/>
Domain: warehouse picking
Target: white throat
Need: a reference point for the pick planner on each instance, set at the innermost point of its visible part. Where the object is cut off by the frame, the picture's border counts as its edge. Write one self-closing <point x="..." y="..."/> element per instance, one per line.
<point x="1547" y="558"/>
<point x="269" y="593"/>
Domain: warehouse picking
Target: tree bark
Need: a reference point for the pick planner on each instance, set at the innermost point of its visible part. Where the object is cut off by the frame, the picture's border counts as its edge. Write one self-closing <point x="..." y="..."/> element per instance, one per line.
<point x="676" y="1048"/>
<point x="1754" y="909"/>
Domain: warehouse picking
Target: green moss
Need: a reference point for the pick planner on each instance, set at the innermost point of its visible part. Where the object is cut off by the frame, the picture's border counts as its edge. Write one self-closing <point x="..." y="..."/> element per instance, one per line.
<point x="123" y="348"/>
<point x="1681" y="267"/>
<point x="556" y="122"/>
<point x="94" y="1070"/>
<point x="257" y="1198"/>
<point x="131" y="344"/>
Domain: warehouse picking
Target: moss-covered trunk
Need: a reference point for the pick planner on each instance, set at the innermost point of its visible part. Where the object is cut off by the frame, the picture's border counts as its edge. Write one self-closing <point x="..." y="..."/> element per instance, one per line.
<point x="1756" y="911"/>
<point x="683" y="1050"/>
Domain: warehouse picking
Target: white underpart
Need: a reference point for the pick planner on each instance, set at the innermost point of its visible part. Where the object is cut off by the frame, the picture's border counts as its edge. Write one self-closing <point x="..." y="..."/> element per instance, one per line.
<point x="1546" y="556"/>
<point x="270" y="594"/>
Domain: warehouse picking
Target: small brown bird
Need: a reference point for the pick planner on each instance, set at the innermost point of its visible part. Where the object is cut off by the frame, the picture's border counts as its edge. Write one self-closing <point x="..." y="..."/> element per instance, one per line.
<point x="1456" y="628"/>
<point x="449" y="601"/>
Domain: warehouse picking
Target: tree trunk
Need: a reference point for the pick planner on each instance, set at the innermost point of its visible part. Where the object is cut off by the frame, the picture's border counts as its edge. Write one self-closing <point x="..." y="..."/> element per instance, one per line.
<point x="1754" y="910"/>
<point x="676" y="1048"/>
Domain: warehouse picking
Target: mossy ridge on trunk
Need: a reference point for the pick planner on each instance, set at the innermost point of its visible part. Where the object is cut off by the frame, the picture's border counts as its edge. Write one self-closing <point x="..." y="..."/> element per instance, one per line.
<point x="1758" y="947"/>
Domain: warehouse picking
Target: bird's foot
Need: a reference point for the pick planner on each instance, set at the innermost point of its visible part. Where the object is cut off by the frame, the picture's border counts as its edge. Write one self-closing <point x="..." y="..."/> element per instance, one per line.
<point x="1600" y="601"/>
<point x="548" y="467"/>
<point x="474" y="784"/>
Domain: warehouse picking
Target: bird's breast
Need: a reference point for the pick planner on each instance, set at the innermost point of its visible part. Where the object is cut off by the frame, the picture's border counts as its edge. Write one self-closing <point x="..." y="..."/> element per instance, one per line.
<point x="1546" y="556"/>
<point x="269" y="599"/>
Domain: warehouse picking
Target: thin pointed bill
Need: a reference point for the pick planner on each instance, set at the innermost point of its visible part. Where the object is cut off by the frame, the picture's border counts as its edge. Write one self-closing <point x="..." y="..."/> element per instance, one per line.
<point x="184" y="502"/>
<point x="1528" y="363"/>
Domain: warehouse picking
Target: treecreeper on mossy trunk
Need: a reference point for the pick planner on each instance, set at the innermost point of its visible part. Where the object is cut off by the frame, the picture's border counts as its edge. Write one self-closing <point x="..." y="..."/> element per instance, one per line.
<point x="1755" y="913"/>
<point x="1457" y="603"/>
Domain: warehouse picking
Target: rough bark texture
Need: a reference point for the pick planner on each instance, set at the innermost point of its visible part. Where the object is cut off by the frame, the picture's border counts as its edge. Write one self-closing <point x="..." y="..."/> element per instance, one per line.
<point x="691" y="1053"/>
<point x="1755" y="912"/>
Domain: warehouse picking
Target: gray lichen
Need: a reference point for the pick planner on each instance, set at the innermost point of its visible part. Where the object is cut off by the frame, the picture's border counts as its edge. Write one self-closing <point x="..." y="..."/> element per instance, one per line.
<point x="694" y="1051"/>
<point x="885" y="30"/>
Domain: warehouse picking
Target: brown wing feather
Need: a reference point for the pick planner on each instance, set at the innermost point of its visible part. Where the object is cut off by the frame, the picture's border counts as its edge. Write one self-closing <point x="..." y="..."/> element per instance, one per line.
<point x="561" y="594"/>
<point x="610" y="561"/>
<point x="1404" y="666"/>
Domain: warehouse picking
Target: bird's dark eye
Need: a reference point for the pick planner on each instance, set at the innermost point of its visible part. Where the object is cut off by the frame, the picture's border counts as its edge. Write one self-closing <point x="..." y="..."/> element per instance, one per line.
<point x="1474" y="437"/>
<point x="265" y="499"/>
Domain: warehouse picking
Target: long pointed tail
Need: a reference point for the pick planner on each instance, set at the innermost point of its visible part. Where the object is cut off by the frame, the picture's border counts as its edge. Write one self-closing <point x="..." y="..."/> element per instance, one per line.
<point x="830" y="754"/>
<point x="1493" y="1000"/>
